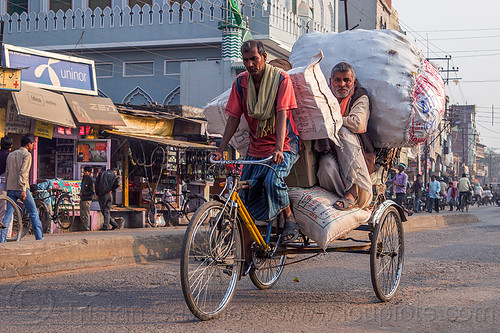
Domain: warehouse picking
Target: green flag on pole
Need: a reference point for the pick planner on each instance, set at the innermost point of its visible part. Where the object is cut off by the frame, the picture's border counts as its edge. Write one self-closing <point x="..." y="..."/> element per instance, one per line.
<point x="236" y="12"/>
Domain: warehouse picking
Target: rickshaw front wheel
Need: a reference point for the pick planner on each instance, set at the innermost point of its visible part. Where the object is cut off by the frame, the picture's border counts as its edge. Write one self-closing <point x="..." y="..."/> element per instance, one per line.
<point x="387" y="254"/>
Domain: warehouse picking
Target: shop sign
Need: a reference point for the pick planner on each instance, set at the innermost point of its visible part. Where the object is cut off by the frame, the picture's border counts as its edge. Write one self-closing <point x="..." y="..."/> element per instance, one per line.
<point x="43" y="129"/>
<point x="10" y="78"/>
<point x="94" y="110"/>
<point x="15" y="123"/>
<point x="92" y="151"/>
<point x="52" y="70"/>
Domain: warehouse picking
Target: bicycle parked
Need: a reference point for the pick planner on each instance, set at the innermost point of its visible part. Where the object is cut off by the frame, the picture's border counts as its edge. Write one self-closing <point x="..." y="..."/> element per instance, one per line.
<point x="63" y="212"/>
<point x="16" y="222"/>
<point x="165" y="207"/>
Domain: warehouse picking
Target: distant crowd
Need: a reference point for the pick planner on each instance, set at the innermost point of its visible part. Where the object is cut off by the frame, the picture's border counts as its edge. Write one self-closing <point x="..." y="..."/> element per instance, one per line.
<point x="439" y="194"/>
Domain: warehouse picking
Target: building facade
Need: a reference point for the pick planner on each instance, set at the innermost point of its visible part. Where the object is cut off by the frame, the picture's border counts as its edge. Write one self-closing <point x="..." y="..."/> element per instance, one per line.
<point x="369" y="14"/>
<point x="161" y="52"/>
<point x="464" y="137"/>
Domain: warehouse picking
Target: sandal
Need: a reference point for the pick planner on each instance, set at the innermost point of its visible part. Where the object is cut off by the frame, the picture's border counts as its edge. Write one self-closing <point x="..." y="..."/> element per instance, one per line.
<point x="344" y="204"/>
<point x="290" y="232"/>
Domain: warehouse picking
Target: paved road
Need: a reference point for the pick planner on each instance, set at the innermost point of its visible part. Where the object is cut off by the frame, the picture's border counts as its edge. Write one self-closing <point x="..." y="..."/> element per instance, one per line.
<point x="451" y="284"/>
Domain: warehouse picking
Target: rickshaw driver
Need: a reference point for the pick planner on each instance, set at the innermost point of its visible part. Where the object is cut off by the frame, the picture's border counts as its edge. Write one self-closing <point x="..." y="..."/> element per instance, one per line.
<point x="355" y="108"/>
<point x="265" y="96"/>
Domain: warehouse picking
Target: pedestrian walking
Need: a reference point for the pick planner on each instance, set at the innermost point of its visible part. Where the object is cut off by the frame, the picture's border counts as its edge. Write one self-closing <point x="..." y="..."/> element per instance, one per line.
<point x="417" y="189"/>
<point x="86" y="194"/>
<point x="451" y="195"/>
<point x="17" y="176"/>
<point x="434" y="190"/>
<point x="107" y="181"/>
<point x="400" y="183"/>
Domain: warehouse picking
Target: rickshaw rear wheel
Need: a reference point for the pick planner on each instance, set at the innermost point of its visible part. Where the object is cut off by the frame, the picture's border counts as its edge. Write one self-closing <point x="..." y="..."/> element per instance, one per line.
<point x="265" y="272"/>
<point x="387" y="254"/>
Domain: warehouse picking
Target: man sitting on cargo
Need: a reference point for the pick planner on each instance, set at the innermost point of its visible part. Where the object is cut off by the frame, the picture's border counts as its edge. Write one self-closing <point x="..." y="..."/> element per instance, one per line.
<point x="355" y="109"/>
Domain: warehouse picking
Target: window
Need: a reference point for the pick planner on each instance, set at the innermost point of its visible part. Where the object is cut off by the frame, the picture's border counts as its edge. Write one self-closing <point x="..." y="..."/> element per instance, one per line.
<point x="17" y="6"/>
<point x="138" y="68"/>
<point x="93" y="4"/>
<point x="104" y="70"/>
<point x="173" y="67"/>
<point x="132" y="3"/>
<point x="64" y="5"/>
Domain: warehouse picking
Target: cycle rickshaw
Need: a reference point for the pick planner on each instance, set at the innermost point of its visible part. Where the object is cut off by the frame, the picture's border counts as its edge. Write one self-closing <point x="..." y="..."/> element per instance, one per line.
<point x="213" y="250"/>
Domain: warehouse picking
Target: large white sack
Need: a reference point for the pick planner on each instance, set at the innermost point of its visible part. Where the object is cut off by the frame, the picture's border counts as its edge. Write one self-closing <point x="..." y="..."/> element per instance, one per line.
<point x="314" y="212"/>
<point x="217" y="119"/>
<point x="406" y="92"/>
<point x="318" y="114"/>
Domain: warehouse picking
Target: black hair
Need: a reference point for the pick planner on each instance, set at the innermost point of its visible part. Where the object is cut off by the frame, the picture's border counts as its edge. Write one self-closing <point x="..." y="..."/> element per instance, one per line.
<point x="26" y="139"/>
<point x="87" y="169"/>
<point x="6" y="142"/>
<point x="250" y="44"/>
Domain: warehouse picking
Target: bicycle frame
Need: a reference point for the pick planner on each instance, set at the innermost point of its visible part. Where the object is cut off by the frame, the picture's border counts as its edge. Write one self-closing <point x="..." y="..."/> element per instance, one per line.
<point x="234" y="197"/>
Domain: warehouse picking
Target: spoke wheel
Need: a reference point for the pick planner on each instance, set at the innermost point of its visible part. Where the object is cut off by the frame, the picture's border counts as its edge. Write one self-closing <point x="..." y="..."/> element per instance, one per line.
<point x="152" y="215"/>
<point x="387" y="254"/>
<point x="211" y="260"/>
<point x="192" y="205"/>
<point x="44" y="214"/>
<point x="16" y="220"/>
<point x="265" y="272"/>
<point x="65" y="211"/>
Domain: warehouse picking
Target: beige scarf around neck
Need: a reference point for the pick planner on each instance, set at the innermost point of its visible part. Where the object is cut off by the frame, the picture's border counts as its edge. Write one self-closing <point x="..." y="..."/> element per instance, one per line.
<point x="262" y="107"/>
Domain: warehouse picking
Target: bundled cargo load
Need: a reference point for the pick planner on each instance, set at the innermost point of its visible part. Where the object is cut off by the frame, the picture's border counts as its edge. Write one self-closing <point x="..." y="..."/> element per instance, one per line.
<point x="217" y="119"/>
<point x="406" y="93"/>
<point x="318" y="112"/>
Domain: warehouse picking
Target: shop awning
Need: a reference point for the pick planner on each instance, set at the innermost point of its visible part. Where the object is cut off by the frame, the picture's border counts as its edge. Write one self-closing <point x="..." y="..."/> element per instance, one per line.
<point x="94" y="110"/>
<point x="43" y="105"/>
<point x="163" y="140"/>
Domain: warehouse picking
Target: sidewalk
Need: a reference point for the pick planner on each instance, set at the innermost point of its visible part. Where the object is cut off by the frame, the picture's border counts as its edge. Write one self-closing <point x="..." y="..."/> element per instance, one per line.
<point x="68" y="251"/>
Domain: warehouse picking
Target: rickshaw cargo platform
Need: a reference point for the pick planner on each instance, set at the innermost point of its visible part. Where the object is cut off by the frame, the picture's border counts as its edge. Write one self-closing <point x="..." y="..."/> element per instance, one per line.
<point x="303" y="172"/>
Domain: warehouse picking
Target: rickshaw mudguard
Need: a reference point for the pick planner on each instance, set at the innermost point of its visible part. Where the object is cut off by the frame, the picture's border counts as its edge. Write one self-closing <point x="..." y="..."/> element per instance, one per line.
<point x="383" y="207"/>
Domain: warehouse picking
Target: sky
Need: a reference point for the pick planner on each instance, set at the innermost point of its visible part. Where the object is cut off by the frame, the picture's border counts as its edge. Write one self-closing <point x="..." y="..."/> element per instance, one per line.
<point x="468" y="31"/>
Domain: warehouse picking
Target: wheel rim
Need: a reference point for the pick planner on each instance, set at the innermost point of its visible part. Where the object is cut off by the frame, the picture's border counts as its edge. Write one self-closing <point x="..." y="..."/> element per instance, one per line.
<point x="65" y="213"/>
<point x="212" y="264"/>
<point x="389" y="255"/>
<point x="152" y="216"/>
<point x="268" y="270"/>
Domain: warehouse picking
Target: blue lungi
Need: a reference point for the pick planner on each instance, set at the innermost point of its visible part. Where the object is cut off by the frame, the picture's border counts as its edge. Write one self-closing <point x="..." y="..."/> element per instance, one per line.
<point x="268" y="194"/>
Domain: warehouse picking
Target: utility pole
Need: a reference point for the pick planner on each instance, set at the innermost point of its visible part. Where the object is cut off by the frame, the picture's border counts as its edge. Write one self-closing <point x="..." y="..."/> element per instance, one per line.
<point x="463" y="147"/>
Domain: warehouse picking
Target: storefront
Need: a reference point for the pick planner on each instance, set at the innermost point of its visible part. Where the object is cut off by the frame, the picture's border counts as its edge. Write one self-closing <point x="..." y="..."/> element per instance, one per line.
<point x="76" y="128"/>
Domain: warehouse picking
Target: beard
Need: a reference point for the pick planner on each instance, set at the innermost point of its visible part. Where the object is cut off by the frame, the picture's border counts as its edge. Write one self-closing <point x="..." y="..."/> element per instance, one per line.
<point x="342" y="93"/>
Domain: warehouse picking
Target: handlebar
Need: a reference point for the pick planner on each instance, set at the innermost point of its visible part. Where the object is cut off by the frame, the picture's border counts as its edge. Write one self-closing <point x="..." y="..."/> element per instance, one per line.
<point x="267" y="159"/>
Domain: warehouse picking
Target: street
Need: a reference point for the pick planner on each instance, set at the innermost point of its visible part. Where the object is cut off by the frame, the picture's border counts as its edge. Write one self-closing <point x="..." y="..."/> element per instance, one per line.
<point x="451" y="283"/>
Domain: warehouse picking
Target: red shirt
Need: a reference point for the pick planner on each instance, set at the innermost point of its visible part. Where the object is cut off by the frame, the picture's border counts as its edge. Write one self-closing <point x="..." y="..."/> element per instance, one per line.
<point x="285" y="102"/>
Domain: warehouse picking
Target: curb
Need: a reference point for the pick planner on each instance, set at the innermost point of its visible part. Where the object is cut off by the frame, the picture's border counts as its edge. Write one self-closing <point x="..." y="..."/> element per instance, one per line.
<point x="65" y="252"/>
<point x="418" y="222"/>
<point x="58" y="253"/>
